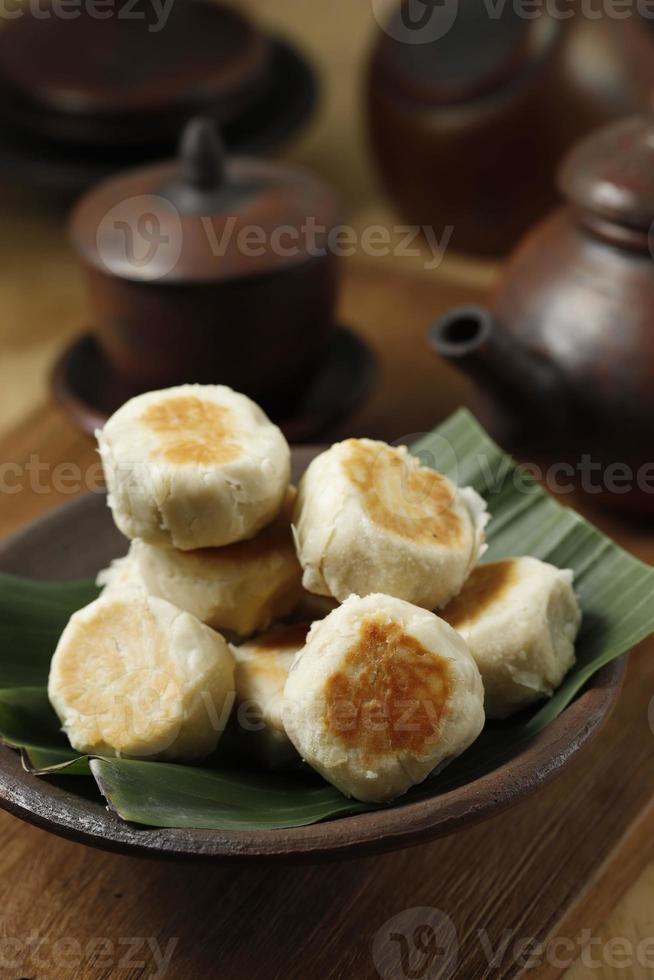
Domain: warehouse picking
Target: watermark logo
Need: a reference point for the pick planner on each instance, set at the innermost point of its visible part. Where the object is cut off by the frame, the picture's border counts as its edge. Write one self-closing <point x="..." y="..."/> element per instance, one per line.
<point x="417" y="944"/>
<point x="417" y="21"/>
<point x="402" y="493"/>
<point x="427" y="21"/>
<point x="491" y="473"/>
<point x="432" y="450"/>
<point x="144" y="956"/>
<point x="422" y="944"/>
<point x="140" y="237"/>
<point x="153" y="14"/>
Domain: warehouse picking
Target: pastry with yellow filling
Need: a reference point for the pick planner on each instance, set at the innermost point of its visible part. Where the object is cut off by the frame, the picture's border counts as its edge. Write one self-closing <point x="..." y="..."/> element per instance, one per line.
<point x="239" y="589"/>
<point x="197" y="466"/>
<point x="520" y="619"/>
<point x="370" y="518"/>
<point x="262" y="667"/>
<point x="382" y="694"/>
<point x="134" y="676"/>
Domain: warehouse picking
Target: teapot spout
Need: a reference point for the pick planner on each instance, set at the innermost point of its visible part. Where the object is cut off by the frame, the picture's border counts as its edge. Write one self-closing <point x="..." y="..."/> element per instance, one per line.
<point x="515" y="379"/>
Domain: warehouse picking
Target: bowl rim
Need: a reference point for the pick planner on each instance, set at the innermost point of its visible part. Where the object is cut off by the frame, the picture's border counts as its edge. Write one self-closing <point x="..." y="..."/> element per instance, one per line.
<point x="48" y="804"/>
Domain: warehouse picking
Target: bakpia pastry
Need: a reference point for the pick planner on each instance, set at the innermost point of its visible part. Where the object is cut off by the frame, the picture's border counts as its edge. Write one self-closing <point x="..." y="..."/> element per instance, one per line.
<point x="197" y="466"/>
<point x="262" y="667"/>
<point x="382" y="694"/>
<point x="369" y="518"/>
<point x="239" y="589"/>
<point x="520" y="619"/>
<point x="134" y="676"/>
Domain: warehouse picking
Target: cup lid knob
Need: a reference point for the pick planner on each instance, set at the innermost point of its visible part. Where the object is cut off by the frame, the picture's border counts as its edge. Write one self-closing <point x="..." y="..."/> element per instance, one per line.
<point x="202" y="154"/>
<point x="204" y="208"/>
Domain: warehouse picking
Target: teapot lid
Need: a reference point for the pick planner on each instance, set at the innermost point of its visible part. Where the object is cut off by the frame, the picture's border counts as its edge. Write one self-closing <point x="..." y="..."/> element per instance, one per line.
<point x="611" y="173"/>
<point x="447" y="52"/>
<point x="203" y="217"/>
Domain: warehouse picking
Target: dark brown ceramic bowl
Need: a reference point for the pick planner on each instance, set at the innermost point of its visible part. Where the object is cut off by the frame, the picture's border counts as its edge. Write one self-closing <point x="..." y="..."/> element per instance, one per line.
<point x="78" y="539"/>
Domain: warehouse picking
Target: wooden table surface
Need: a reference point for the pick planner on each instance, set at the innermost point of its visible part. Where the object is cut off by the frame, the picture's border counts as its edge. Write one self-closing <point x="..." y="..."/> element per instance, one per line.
<point x="571" y="864"/>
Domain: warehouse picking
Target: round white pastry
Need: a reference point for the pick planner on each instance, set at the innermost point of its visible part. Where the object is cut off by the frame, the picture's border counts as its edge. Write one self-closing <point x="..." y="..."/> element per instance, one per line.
<point x="520" y="619"/>
<point x="370" y="518"/>
<point x="382" y="694"/>
<point x="240" y="588"/>
<point x="134" y="676"/>
<point x="198" y="466"/>
<point x="262" y="666"/>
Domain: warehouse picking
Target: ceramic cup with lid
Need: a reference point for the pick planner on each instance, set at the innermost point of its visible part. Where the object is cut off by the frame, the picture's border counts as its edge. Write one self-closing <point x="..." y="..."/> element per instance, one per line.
<point x="208" y="269"/>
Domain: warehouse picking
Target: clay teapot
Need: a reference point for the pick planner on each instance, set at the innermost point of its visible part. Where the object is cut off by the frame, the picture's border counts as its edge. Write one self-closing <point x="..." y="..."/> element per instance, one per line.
<point x="203" y="269"/>
<point x="564" y="358"/>
<point x="472" y="110"/>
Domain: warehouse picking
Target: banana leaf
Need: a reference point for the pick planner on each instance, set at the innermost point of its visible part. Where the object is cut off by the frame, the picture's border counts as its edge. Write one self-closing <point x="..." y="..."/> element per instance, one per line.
<point x="616" y="593"/>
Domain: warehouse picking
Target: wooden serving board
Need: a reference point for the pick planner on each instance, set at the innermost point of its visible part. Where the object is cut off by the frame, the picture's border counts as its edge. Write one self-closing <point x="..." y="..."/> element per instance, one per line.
<point x="552" y="867"/>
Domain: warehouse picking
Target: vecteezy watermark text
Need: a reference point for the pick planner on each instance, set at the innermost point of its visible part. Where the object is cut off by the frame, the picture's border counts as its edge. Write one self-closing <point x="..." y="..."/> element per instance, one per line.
<point x="561" y="478"/>
<point x="66" y="953"/>
<point x="428" y="21"/>
<point x="41" y="477"/>
<point x="316" y="240"/>
<point x="154" y="13"/>
<point x="423" y="944"/>
<point x="146" y="233"/>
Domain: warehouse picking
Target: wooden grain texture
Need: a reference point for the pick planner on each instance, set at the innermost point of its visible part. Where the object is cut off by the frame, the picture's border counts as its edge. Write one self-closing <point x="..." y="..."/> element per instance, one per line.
<point x="632" y="922"/>
<point x="558" y="863"/>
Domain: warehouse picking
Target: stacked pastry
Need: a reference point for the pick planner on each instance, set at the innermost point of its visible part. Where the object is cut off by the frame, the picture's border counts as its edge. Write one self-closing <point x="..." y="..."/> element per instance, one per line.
<point x="401" y="644"/>
<point x="198" y="479"/>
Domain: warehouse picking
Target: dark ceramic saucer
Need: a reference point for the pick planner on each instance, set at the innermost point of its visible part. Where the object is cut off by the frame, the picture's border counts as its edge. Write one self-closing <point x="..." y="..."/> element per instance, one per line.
<point x="87" y="390"/>
<point x="80" y="538"/>
<point x="274" y="118"/>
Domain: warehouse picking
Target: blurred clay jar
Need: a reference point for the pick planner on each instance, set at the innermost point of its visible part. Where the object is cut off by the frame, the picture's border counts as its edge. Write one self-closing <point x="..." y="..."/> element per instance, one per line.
<point x="208" y="269"/>
<point x="470" y="113"/>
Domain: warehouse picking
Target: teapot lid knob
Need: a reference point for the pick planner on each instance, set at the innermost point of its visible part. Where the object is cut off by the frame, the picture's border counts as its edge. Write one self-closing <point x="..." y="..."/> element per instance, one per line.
<point x="610" y="174"/>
